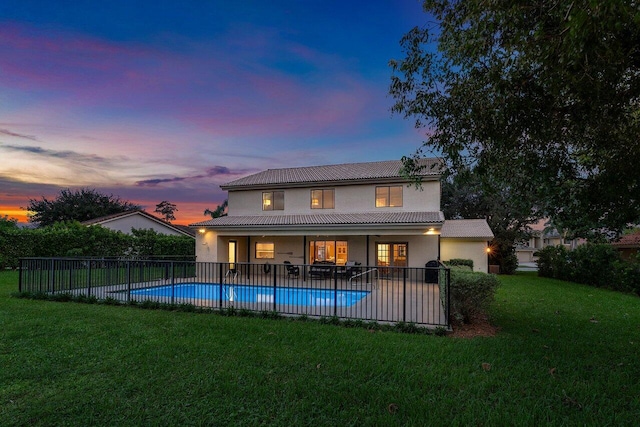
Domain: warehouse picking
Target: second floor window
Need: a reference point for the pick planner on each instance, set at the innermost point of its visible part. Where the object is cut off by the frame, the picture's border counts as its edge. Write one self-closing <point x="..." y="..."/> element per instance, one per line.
<point x="322" y="199"/>
<point x="389" y="196"/>
<point x="273" y="200"/>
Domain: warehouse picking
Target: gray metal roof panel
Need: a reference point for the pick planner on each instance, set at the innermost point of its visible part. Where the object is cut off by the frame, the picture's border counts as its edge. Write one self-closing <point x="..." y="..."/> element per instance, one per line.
<point x="466" y="228"/>
<point x="332" y="173"/>
<point x="405" y="218"/>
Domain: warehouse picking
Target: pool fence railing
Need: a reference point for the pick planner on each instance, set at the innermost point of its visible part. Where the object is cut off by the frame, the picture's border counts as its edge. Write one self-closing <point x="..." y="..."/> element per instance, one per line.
<point x="388" y="294"/>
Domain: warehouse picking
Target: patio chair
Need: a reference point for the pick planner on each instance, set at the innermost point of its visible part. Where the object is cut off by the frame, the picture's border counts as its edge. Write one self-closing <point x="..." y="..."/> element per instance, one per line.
<point x="292" y="270"/>
<point x="351" y="268"/>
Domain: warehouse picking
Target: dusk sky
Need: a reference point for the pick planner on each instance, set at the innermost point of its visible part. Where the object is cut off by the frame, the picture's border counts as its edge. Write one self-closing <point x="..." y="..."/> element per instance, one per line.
<point x="165" y="100"/>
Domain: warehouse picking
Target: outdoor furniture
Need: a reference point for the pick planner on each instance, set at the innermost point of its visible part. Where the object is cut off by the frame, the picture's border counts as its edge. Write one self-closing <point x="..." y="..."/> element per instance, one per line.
<point x="292" y="270"/>
<point x="321" y="269"/>
<point x="350" y="269"/>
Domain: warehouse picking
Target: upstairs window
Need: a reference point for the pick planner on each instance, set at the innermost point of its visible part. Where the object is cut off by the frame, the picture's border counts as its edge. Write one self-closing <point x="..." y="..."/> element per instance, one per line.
<point x="389" y="196"/>
<point x="322" y="199"/>
<point x="273" y="201"/>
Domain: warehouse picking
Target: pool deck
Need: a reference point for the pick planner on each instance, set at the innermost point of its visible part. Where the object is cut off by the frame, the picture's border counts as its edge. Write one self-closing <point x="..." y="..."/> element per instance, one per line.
<point x="390" y="300"/>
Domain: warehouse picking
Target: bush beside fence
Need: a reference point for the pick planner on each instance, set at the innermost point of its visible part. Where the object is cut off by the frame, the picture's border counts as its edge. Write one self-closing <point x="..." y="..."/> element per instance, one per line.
<point x="597" y="265"/>
<point x="471" y="294"/>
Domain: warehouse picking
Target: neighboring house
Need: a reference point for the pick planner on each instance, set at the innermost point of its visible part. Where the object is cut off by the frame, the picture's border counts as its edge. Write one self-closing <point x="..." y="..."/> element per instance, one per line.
<point x="628" y="245"/>
<point x="125" y="221"/>
<point x="358" y="212"/>
<point x="541" y="237"/>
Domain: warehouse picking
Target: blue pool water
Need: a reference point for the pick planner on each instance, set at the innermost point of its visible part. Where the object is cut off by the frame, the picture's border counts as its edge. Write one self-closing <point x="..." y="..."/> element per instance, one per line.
<point x="257" y="294"/>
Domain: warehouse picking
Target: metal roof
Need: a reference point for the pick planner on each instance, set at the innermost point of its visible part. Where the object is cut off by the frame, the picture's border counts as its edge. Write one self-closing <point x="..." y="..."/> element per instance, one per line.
<point x="373" y="218"/>
<point x="348" y="172"/>
<point x="466" y="228"/>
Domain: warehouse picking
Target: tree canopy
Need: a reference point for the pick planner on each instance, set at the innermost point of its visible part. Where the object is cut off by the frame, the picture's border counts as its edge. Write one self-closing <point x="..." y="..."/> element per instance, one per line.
<point x="469" y="195"/>
<point x="76" y="205"/>
<point x="543" y="97"/>
<point x="166" y="209"/>
<point x="218" y="211"/>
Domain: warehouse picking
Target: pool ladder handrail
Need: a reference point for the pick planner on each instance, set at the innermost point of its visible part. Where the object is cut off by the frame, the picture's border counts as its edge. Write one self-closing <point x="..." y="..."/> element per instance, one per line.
<point x="374" y="283"/>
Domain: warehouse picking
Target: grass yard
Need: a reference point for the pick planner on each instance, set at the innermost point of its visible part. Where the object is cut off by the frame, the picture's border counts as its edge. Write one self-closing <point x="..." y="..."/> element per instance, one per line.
<point x="566" y="355"/>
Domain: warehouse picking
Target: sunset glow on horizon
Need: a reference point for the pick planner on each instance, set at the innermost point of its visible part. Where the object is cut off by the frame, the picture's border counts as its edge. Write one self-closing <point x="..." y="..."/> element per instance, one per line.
<point x="151" y="101"/>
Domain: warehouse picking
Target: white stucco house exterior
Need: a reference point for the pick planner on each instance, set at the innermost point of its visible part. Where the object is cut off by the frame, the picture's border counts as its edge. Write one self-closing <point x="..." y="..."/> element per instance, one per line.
<point x="356" y="212"/>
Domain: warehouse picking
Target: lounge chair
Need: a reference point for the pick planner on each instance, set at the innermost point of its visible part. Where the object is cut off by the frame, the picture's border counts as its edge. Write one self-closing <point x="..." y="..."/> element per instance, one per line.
<point x="292" y="270"/>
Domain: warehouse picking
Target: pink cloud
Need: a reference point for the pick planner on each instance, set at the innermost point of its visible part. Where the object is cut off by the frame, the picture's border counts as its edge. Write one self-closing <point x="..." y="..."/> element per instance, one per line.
<point x="223" y="88"/>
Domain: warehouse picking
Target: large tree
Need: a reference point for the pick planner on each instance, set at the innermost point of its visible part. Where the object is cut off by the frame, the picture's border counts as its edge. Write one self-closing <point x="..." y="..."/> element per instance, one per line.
<point x="76" y="205"/>
<point x="166" y="209"/>
<point x="469" y="195"/>
<point x="542" y="96"/>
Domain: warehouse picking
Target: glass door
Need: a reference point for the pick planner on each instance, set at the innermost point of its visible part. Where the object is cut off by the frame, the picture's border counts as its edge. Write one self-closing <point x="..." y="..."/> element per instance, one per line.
<point x="390" y="255"/>
<point x="233" y="254"/>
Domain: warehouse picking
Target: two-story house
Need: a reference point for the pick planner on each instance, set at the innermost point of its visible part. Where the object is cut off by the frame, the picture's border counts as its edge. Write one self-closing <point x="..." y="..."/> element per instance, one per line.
<point x="360" y="212"/>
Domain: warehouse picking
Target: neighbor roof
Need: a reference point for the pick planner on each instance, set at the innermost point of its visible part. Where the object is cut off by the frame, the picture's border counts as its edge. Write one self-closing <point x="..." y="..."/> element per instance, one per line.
<point x="109" y="218"/>
<point x="399" y="218"/>
<point x="466" y="228"/>
<point x="347" y="172"/>
<point x="629" y="240"/>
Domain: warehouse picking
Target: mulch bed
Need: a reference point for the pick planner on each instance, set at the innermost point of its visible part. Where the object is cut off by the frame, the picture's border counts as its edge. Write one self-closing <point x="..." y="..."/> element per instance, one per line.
<point x="479" y="327"/>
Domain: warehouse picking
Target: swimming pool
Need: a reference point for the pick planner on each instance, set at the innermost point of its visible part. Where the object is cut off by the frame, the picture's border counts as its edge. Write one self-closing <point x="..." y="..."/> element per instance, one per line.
<point x="258" y="294"/>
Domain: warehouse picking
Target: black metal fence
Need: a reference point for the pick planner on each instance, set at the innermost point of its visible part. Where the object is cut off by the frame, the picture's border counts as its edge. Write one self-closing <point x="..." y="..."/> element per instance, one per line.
<point x="371" y="293"/>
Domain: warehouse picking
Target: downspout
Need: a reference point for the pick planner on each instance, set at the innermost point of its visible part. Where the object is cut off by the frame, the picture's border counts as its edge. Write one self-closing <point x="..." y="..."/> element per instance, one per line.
<point x="304" y="256"/>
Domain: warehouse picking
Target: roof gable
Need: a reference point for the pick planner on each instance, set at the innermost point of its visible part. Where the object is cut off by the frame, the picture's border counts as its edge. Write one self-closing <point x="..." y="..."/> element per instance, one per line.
<point x="114" y="217"/>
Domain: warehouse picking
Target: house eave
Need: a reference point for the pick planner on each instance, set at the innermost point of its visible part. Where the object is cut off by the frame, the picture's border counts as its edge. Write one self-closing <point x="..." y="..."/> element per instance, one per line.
<point x="328" y="183"/>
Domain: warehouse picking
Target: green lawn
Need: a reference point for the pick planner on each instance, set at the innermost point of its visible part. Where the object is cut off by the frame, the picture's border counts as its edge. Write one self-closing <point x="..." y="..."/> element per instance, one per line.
<point x="566" y="355"/>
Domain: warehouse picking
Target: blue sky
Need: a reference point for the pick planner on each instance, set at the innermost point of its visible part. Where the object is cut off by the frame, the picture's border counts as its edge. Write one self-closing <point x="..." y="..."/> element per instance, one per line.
<point x="165" y="100"/>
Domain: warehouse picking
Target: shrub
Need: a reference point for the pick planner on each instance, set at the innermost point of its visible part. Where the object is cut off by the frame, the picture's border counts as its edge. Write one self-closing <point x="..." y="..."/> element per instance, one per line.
<point x="459" y="262"/>
<point x="553" y="262"/>
<point x="471" y="293"/>
<point x="596" y="265"/>
<point x="72" y="239"/>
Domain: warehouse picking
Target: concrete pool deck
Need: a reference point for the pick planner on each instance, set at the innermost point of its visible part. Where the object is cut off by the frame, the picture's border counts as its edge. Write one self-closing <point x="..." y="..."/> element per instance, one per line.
<point x="390" y="299"/>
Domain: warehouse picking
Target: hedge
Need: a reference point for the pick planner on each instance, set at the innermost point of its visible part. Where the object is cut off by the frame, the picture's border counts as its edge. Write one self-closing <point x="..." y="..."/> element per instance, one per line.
<point x="73" y="239"/>
<point x="459" y="262"/>
<point x="596" y="265"/>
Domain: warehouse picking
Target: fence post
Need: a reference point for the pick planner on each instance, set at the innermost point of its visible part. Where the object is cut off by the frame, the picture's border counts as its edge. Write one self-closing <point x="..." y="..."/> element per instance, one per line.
<point x="220" y="281"/>
<point x="448" y="287"/>
<point x="89" y="278"/>
<point x="335" y="290"/>
<point x="404" y="294"/>
<point x="20" y="262"/>
<point x="275" y="285"/>
<point x="173" y="288"/>
<point x="128" y="280"/>
<point x="52" y="278"/>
